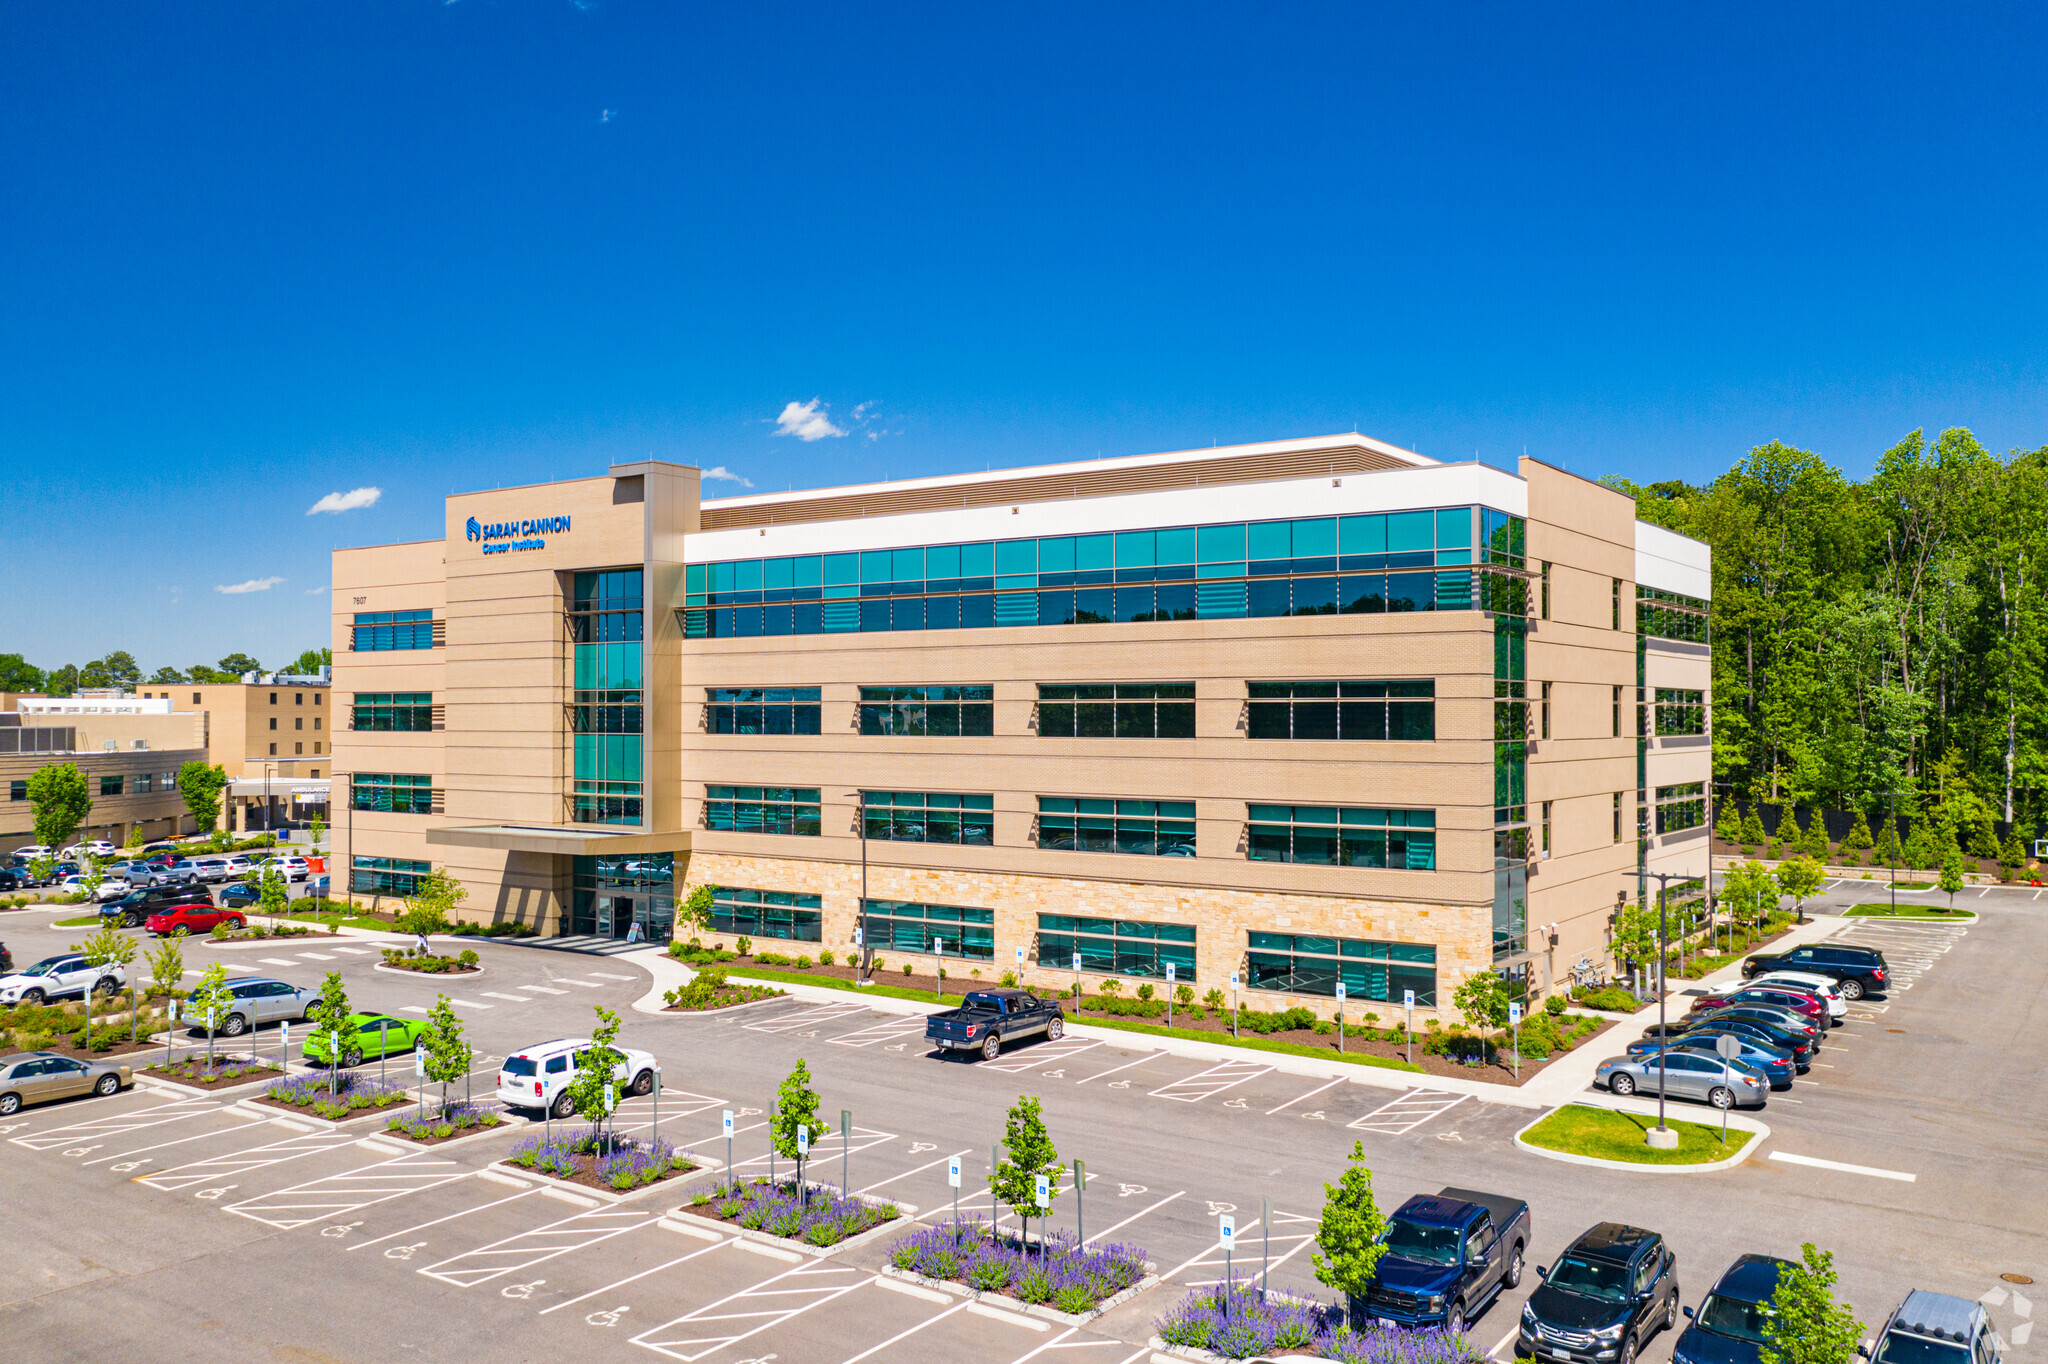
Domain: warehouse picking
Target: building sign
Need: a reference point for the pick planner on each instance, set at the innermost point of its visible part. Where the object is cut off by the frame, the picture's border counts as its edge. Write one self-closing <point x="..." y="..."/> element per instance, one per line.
<point x="499" y="536"/>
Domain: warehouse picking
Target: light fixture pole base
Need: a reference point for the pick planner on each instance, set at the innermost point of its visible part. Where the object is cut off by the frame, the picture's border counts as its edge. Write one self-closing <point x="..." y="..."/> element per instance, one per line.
<point x="1662" y="1138"/>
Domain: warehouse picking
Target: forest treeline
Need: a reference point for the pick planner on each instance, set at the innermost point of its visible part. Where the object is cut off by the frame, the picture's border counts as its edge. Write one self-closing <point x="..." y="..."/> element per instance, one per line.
<point x="1877" y="641"/>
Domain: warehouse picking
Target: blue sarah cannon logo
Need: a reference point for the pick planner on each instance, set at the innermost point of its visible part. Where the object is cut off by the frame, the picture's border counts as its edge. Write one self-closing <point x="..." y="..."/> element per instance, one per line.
<point x="472" y="530"/>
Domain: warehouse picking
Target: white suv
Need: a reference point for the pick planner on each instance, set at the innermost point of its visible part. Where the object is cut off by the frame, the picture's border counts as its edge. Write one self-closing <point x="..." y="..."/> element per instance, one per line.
<point x="539" y="1076"/>
<point x="1827" y="987"/>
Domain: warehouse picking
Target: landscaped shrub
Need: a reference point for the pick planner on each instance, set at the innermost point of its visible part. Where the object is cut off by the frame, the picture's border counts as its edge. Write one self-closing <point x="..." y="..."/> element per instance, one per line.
<point x="1554" y="1005"/>
<point x="1058" y="1271"/>
<point x="1238" y="1322"/>
<point x="820" y="1219"/>
<point x="354" y="1090"/>
<point x="458" y="1117"/>
<point x="1611" y="998"/>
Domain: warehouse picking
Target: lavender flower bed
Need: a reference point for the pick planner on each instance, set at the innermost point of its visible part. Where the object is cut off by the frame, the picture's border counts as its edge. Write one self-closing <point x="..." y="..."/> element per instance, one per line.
<point x="353" y="1091"/>
<point x="600" y="1159"/>
<point x="1073" y="1279"/>
<point x="1238" y="1323"/>
<point x="455" y="1119"/>
<point x="817" y="1217"/>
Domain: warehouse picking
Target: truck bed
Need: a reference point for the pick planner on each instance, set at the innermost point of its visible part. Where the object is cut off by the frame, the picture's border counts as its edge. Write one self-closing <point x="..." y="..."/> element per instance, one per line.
<point x="1503" y="1209"/>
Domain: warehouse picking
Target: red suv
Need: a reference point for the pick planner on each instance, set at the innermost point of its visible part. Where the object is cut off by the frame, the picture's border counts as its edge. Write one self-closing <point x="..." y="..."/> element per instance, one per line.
<point x="193" y="919"/>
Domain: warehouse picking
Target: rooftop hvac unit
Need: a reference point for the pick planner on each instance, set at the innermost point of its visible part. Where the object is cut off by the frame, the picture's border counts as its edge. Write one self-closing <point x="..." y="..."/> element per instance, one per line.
<point x="109" y="745"/>
<point x="141" y="743"/>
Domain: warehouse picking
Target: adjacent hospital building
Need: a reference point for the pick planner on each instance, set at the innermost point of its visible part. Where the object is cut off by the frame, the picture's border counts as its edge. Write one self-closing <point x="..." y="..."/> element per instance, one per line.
<point x="1303" y="711"/>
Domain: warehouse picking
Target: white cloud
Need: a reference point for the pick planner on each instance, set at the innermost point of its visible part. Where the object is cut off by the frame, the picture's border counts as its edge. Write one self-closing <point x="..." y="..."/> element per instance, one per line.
<point x="807" y="422"/>
<point x="353" y="500"/>
<point x="253" y="585"/>
<point x="720" y="472"/>
<point x="315" y="591"/>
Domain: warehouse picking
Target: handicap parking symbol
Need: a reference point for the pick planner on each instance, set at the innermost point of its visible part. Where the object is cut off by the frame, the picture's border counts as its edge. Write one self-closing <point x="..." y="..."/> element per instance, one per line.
<point x="610" y="1318"/>
<point x="521" y="1290"/>
<point x="404" y="1252"/>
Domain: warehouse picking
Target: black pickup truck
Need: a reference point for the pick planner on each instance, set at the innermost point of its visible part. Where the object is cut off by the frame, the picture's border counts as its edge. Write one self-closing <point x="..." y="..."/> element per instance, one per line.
<point x="1447" y="1256"/>
<point x="988" y="1018"/>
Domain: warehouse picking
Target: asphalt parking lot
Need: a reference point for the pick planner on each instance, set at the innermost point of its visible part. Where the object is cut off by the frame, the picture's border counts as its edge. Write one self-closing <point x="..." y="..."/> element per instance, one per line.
<point x="165" y="1226"/>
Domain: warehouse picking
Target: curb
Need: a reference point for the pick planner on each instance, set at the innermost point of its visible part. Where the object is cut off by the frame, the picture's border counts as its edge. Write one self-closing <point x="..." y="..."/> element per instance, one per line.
<point x="471" y="974"/>
<point x="251" y="1106"/>
<point x="202" y="1091"/>
<point x="1758" y="1132"/>
<point x="683" y="1217"/>
<point x="568" y="1189"/>
<point x="1005" y="1303"/>
<point x="407" y="1146"/>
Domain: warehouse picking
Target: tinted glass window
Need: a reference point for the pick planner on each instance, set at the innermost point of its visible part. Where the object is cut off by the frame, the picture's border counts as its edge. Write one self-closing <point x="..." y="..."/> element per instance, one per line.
<point x="558" y="1065"/>
<point x="1899" y="1348"/>
<point x="1594" y="1278"/>
<point x="519" y="1065"/>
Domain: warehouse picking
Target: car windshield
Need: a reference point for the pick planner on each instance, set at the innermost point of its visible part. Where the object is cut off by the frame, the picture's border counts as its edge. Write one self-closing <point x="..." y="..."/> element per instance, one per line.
<point x="1899" y="1348"/>
<point x="43" y="967"/>
<point x="1731" y="1317"/>
<point x="1435" y="1245"/>
<point x="1594" y="1278"/>
<point x="519" y="1065"/>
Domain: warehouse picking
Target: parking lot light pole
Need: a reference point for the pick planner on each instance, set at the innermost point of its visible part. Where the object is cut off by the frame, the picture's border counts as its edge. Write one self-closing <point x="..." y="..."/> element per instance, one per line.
<point x="1660" y="1136"/>
<point x="866" y="973"/>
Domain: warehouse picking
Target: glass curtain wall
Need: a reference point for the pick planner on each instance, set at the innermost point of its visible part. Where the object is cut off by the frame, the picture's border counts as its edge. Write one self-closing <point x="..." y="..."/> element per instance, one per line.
<point x="606" y="718"/>
<point x="1505" y="594"/>
<point x="614" y="894"/>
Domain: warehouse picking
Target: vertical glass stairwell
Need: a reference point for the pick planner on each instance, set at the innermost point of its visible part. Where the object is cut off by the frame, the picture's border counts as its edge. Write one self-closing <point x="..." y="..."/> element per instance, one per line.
<point x="606" y="717"/>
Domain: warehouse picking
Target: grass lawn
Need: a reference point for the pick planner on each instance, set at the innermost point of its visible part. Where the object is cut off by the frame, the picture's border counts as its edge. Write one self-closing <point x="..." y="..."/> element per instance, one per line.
<point x="1609" y="1135"/>
<point x="84" y="921"/>
<point x="1907" y="912"/>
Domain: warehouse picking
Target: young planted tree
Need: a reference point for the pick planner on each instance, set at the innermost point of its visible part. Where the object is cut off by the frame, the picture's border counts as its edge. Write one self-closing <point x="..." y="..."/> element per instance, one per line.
<point x="1750" y="889"/>
<point x="271" y="896"/>
<point x="448" y="1055"/>
<point x="108" y="946"/>
<point x="597" y="1071"/>
<point x="1348" y="1238"/>
<point x="210" y="1002"/>
<point x="2012" y="855"/>
<point x="1483" y="999"/>
<point x="1923" y="844"/>
<point x="694" y="910"/>
<point x="329" y="1017"/>
<point x="1728" y="826"/>
<point x="1753" y="828"/>
<point x="1030" y="1154"/>
<point x="166" y="969"/>
<point x="1801" y="878"/>
<point x="318" y="829"/>
<point x="58" y="801"/>
<point x="1952" y="878"/>
<point x="430" y="906"/>
<point x="796" y="1110"/>
<point x="1885" y="851"/>
<point x="1815" y="844"/>
<point x="1634" y="939"/>
<point x="1805" y="1324"/>
<point x="1983" y="836"/>
<point x="1857" y="841"/>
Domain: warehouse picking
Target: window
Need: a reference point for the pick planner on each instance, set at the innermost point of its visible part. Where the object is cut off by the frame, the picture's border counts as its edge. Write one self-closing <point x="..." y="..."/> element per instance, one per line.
<point x="1546" y="828"/>
<point x="386" y="875"/>
<point x="1681" y="711"/>
<point x="1616" y="623"/>
<point x="17" y="790"/>
<point x="596" y="801"/>
<point x="1544" y="610"/>
<point x="1123" y="947"/>
<point x="409" y="711"/>
<point x="169" y="782"/>
<point x="1400" y="561"/>
<point x="298" y="748"/>
<point x="1342" y="710"/>
<point x="273" y="698"/>
<point x="939" y="712"/>
<point x="1681" y="807"/>
<point x="1617" y="712"/>
<point x="316" y="697"/>
<point x="761" y="710"/>
<point x="195" y="698"/>
<point x="1330" y="837"/>
<point x="1116" y="710"/>
<point x="316" y="746"/>
<point x="398" y="793"/>
<point x="1301" y="964"/>
<point x="929" y="817"/>
<point x="901" y="926"/>
<point x="377" y="631"/>
<point x="1544" y="730"/>
<point x="767" y="914"/>
<point x="1617" y="816"/>
<point x="1672" y="615"/>
<point x="110" y="786"/>
<point x="273" y="722"/>
<point x="298" y="722"/>
<point x="273" y="750"/>
<point x="298" y="698"/>
<point x="606" y="716"/>
<point x="762" y="809"/>
<point x="1155" y="828"/>
<point x="316" y="722"/>
<point x="145" y="782"/>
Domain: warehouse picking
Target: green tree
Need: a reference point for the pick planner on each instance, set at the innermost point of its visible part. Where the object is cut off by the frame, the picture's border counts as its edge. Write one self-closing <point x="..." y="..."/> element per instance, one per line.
<point x="1816" y="843"/>
<point x="1952" y="879"/>
<point x="210" y="1002"/>
<point x="1886" y="851"/>
<point x="235" y="665"/>
<point x="1728" y="826"/>
<point x="109" y="946"/>
<point x="329" y="1017"/>
<point x="58" y="801"/>
<point x="318" y="829"/>
<point x="1805" y="1324"/>
<point x="1801" y="878"/>
<point x="1752" y="828"/>
<point x="117" y="669"/>
<point x="1029" y="1153"/>
<point x="1858" y="839"/>
<point x="17" y="674"/>
<point x="62" y="681"/>
<point x="135" y="840"/>
<point x="271" y="895"/>
<point x="167" y="968"/>
<point x="201" y="784"/>
<point x="2012" y="855"/>
<point x="167" y="676"/>
<point x="1348" y="1238"/>
<point x="448" y="1055"/>
<point x="1633" y="939"/>
<point x="1750" y="889"/>
<point x="694" y="910"/>
<point x="1483" y="998"/>
<point x="431" y="906"/>
<point x="1983" y="836"/>
<point x="311" y="662"/>
<point x="1923" y="844"/>
<point x="796" y="1109"/>
<point x="597" y="1069"/>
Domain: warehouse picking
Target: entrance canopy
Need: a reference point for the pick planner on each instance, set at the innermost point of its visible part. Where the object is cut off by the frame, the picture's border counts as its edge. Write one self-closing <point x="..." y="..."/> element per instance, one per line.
<point x="576" y="840"/>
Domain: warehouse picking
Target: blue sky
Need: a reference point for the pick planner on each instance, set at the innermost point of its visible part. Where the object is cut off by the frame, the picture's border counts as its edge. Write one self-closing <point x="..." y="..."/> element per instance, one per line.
<point x="253" y="254"/>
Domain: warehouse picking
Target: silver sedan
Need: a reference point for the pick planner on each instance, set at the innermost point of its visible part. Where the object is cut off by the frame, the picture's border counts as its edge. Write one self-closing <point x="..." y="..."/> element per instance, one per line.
<point x="40" y="1076"/>
<point x="1733" y="1085"/>
<point x="257" y="1002"/>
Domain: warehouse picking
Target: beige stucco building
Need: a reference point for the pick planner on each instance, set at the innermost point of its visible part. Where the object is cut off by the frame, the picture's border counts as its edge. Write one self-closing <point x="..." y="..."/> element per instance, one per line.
<point x="1297" y="712"/>
<point x="130" y="759"/>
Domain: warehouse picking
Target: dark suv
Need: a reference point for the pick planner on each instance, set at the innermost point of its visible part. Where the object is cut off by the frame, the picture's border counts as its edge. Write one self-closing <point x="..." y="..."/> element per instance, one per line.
<point x="1861" y="970"/>
<point x="1611" y="1290"/>
<point x="134" y="909"/>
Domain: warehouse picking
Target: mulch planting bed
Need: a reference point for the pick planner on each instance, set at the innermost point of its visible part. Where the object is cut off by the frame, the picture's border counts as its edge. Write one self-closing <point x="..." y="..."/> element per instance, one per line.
<point x="462" y="1120"/>
<point x="227" y="1072"/>
<point x="623" y="1165"/>
<point x="65" y="1046"/>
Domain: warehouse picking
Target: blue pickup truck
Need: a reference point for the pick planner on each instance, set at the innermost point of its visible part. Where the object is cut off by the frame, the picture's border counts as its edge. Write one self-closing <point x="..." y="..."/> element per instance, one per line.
<point x="989" y="1019"/>
<point x="1448" y="1255"/>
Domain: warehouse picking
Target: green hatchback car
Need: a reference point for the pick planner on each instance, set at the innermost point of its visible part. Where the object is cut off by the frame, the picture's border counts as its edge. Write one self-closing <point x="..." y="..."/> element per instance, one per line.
<point x="367" y="1037"/>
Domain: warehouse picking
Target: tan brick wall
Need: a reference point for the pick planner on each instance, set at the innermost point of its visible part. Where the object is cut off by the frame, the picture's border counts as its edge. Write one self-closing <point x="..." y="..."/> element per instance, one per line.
<point x="1220" y="917"/>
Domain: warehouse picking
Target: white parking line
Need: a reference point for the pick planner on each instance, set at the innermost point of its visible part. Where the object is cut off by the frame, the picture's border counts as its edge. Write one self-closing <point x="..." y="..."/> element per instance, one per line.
<point x="469" y="1003"/>
<point x="571" y="980"/>
<point x="941" y="1316"/>
<point x="1310" y="1095"/>
<point x="509" y="1198"/>
<point x="908" y="1173"/>
<point x="1403" y="1115"/>
<point x="529" y="1248"/>
<point x="1113" y="1070"/>
<point x="540" y="989"/>
<point x="516" y="999"/>
<point x="609" y="976"/>
<point x="1206" y="1083"/>
<point x="706" y="1250"/>
<point x="815" y="1294"/>
<point x="1133" y="1217"/>
<point x="355" y="951"/>
<point x="277" y="961"/>
<point x="341" y="1194"/>
<point x="316" y="956"/>
<point x="1818" y="1164"/>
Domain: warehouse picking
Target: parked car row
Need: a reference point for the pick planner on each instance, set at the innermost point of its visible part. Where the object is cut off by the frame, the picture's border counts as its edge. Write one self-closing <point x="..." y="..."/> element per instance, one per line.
<point x="1777" y="1018"/>
<point x="164" y="868"/>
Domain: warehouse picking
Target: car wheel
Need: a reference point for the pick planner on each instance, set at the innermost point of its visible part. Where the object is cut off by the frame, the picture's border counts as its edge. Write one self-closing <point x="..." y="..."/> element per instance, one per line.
<point x="32" y="996"/>
<point x="1852" y="989"/>
<point x="9" y="1104"/>
<point x="562" y="1107"/>
<point x="1454" y="1319"/>
<point x="235" y="1026"/>
<point x="1623" y="1084"/>
<point x="1056" y="1029"/>
<point x="643" y="1083"/>
<point x="1513" y="1278"/>
<point x="1720" y="1096"/>
<point x="1628" y="1351"/>
<point x="992" y="1047"/>
<point x="106" y="1084"/>
<point x="107" y="986"/>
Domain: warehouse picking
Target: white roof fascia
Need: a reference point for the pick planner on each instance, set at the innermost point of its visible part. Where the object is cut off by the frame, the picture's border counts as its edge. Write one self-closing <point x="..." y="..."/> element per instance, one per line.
<point x="1441" y="485"/>
<point x="1673" y="562"/>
